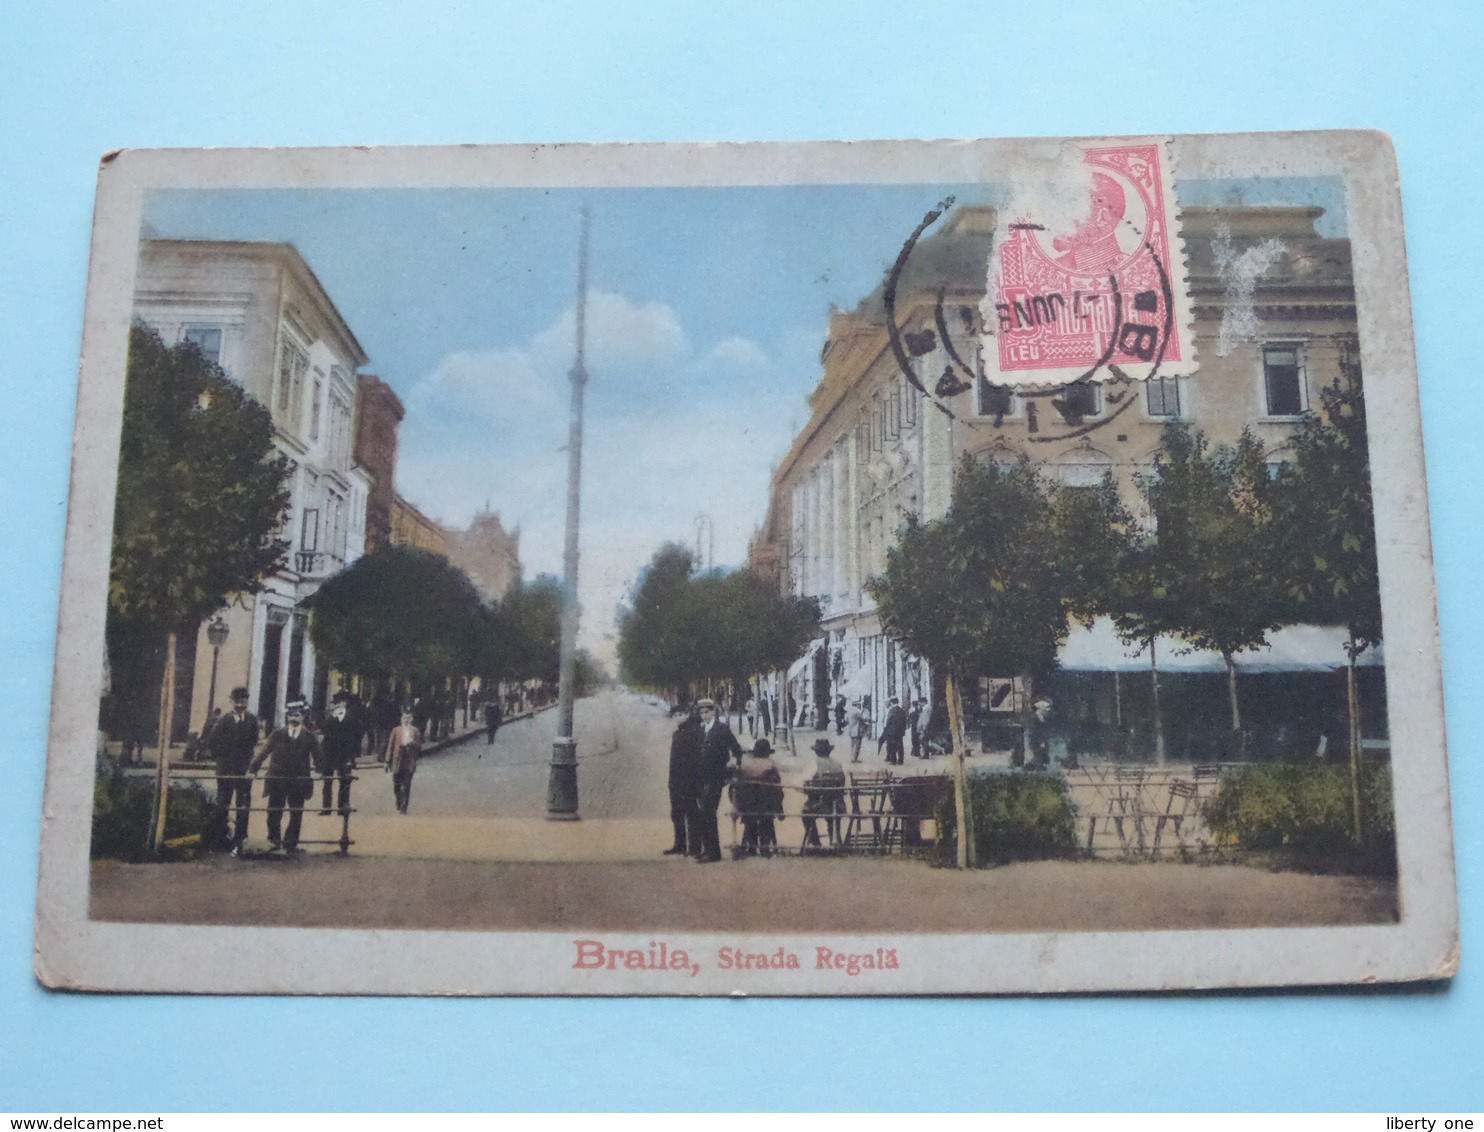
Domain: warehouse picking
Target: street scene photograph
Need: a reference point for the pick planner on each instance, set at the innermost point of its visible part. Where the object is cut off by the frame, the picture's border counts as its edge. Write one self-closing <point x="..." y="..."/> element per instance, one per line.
<point x="877" y="559"/>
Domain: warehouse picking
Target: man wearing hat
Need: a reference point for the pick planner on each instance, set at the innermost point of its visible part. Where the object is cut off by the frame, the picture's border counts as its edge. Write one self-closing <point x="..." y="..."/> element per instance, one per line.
<point x="824" y="795"/>
<point x="893" y="730"/>
<point x="340" y="740"/>
<point x="718" y="747"/>
<point x="292" y="752"/>
<point x="684" y="783"/>
<point x="757" y="793"/>
<point x="232" y="740"/>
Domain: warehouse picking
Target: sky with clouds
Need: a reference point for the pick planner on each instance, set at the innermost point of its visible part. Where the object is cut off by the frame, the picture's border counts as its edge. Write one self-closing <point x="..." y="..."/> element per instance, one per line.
<point x="706" y="313"/>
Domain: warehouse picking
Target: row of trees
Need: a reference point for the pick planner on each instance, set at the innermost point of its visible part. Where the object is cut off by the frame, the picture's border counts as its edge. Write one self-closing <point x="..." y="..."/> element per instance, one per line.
<point x="401" y="613"/>
<point x="1238" y="548"/>
<point x="686" y="628"/>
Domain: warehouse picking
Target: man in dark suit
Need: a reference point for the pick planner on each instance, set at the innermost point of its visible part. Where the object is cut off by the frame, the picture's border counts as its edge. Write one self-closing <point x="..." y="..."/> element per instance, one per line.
<point x="684" y="783"/>
<point x="718" y="747"/>
<point x="341" y="736"/>
<point x="893" y="729"/>
<point x="231" y="741"/>
<point x="292" y="752"/>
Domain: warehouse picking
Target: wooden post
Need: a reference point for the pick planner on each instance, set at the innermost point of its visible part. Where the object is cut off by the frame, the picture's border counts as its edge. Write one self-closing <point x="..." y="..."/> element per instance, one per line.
<point x="162" y="769"/>
<point x="960" y="783"/>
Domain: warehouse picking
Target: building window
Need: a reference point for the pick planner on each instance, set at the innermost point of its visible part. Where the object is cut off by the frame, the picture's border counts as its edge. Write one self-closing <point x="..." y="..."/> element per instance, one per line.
<point x="293" y="364"/>
<point x="314" y="409"/>
<point x="995" y="400"/>
<point x="1079" y="399"/>
<point x="207" y="339"/>
<point x="1283" y="379"/>
<point x="1162" y="396"/>
<point x="309" y="532"/>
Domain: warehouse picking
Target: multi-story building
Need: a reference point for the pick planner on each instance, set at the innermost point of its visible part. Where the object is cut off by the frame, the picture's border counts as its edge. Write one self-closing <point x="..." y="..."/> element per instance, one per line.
<point x="875" y="450"/>
<point x="378" y="419"/>
<point x="488" y="553"/>
<point x="258" y="310"/>
<point x="410" y="527"/>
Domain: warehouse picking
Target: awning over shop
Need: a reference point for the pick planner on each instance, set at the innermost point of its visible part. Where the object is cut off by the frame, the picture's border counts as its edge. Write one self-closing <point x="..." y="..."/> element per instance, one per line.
<point x="1296" y="648"/>
<point x="798" y="666"/>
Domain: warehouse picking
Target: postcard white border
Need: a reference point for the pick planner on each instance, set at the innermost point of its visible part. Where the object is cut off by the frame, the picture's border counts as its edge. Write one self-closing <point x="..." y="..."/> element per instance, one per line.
<point x="77" y="953"/>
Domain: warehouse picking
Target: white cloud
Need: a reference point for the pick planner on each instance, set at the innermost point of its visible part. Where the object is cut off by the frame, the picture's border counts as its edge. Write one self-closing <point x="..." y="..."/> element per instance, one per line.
<point x="489" y="426"/>
<point x="491" y="384"/>
<point x="740" y="354"/>
<point x="622" y="335"/>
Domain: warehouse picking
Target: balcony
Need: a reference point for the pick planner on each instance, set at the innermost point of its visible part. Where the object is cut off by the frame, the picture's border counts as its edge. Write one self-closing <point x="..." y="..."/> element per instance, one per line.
<point x="316" y="563"/>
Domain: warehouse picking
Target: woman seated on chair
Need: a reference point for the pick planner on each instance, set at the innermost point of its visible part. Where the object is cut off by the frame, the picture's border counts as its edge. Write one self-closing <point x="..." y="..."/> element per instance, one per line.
<point x="757" y="792"/>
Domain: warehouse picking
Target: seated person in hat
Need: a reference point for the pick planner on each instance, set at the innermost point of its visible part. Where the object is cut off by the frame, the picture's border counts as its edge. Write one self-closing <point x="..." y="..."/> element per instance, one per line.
<point x="824" y="795"/>
<point x="757" y="792"/>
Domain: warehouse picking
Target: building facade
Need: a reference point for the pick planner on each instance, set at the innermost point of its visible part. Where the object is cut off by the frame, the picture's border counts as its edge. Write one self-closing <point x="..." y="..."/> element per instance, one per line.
<point x="258" y="311"/>
<point x="488" y="553"/>
<point x="378" y="419"/>
<point x="1274" y="322"/>
<point x="410" y="527"/>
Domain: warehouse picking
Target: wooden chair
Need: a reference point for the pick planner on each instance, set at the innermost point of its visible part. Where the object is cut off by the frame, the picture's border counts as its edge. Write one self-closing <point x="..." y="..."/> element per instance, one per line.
<point x="870" y="802"/>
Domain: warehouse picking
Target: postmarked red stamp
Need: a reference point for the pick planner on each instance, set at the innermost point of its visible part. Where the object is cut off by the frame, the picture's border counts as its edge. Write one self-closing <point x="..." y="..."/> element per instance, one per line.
<point x="1104" y="297"/>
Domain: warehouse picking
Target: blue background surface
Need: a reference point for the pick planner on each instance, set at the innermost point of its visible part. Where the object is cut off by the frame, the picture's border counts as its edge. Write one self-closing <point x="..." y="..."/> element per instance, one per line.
<point x="78" y="78"/>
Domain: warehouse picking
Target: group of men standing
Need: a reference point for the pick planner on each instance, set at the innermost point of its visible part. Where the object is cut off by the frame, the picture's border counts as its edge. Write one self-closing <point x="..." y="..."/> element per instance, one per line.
<point x="293" y="754"/>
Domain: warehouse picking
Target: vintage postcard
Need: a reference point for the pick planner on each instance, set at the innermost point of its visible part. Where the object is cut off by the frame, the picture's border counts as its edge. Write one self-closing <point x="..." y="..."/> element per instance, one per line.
<point x="817" y="569"/>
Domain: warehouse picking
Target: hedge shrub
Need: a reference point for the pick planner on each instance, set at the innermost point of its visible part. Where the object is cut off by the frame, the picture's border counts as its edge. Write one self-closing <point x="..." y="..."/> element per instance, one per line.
<point x="1015" y="817"/>
<point x="1303" y="813"/>
<point x="124" y="813"/>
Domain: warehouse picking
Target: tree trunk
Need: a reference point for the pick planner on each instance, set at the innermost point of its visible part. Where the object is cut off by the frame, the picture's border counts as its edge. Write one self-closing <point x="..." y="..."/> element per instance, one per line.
<point x="1357" y="832"/>
<point x="1159" y="722"/>
<point x="960" y="783"/>
<point x="162" y="768"/>
<point x="1231" y="688"/>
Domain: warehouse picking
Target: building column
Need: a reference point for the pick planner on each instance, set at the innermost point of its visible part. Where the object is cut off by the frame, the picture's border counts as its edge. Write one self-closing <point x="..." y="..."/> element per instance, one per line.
<point x="285" y="650"/>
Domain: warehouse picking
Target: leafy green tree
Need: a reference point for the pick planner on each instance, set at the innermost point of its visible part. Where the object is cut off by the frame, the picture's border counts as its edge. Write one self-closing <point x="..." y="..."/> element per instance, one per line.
<point x="722" y="625"/>
<point x="399" y="611"/>
<point x="1215" y="562"/>
<point x="991" y="587"/>
<point x="1327" y="536"/>
<point x="199" y="504"/>
<point x="201" y="491"/>
<point x="531" y="617"/>
<point x="657" y="647"/>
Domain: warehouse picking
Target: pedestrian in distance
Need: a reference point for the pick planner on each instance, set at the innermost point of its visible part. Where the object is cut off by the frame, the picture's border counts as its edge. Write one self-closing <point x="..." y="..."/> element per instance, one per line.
<point x="231" y="742"/>
<point x="493" y="717"/>
<point x="860" y="726"/>
<point x="765" y="715"/>
<point x="893" y="729"/>
<point x="402" y="750"/>
<point x="292" y="752"/>
<point x="684" y="784"/>
<point x="914" y="728"/>
<point x="757" y="792"/>
<point x="824" y="797"/>
<point x="384" y="717"/>
<point x="718" y="748"/>
<point x="839" y="715"/>
<point x="751" y="717"/>
<point x="340" y="740"/>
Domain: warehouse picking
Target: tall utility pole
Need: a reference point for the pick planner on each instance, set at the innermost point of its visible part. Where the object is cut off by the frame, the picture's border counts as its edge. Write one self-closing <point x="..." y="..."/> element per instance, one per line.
<point x="561" y="789"/>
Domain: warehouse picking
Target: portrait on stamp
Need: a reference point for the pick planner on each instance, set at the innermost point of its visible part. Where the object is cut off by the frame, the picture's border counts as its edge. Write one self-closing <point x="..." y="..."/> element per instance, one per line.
<point x="886" y="568"/>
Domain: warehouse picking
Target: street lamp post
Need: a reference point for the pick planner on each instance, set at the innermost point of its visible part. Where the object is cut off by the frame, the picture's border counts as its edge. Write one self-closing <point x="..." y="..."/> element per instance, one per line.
<point x="561" y="790"/>
<point x="216" y="633"/>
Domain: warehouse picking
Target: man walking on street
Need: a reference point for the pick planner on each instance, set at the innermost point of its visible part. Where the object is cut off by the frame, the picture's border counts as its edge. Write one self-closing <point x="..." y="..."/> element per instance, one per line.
<point x="492" y="717"/>
<point x="231" y="742"/>
<point x="684" y="783"/>
<point x="893" y="728"/>
<point x="914" y="728"/>
<point x="718" y="747"/>
<point x="292" y="752"/>
<point x="860" y="726"/>
<point x="341" y="742"/>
